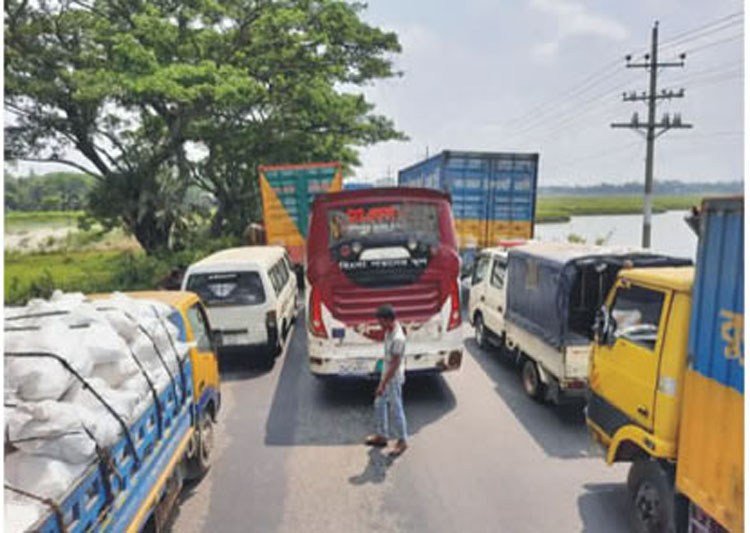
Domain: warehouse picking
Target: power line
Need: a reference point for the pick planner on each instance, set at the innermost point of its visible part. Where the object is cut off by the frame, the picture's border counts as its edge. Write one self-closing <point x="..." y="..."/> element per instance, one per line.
<point x="715" y="43"/>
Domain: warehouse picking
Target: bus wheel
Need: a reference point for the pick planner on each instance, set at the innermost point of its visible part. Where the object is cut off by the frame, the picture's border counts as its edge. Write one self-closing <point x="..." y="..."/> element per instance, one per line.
<point x="480" y="332"/>
<point x="198" y="464"/>
<point x="651" y="498"/>
<point x="532" y="383"/>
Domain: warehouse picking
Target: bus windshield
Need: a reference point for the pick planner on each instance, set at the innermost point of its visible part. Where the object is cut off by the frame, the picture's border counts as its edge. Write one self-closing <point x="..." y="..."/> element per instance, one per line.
<point x="396" y="222"/>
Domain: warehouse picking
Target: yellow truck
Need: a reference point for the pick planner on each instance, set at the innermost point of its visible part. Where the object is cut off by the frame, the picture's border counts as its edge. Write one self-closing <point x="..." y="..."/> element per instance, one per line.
<point x="666" y="382"/>
<point x="134" y="483"/>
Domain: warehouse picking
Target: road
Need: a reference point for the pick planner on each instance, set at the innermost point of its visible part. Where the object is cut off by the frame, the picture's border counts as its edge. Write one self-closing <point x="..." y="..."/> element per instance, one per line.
<point x="482" y="457"/>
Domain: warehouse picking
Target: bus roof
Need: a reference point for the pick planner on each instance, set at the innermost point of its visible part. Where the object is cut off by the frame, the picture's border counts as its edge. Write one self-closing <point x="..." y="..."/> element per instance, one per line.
<point x="382" y="193"/>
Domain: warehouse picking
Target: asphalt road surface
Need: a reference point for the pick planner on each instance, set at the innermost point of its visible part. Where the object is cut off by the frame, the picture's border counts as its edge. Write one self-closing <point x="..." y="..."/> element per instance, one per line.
<point x="483" y="457"/>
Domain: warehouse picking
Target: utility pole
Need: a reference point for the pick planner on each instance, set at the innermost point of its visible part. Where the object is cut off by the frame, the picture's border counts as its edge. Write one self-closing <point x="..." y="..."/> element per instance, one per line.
<point x="651" y="63"/>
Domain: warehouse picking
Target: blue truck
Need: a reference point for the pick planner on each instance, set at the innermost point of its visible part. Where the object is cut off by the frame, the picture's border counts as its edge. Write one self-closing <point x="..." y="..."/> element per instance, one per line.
<point x="493" y="194"/>
<point x="134" y="484"/>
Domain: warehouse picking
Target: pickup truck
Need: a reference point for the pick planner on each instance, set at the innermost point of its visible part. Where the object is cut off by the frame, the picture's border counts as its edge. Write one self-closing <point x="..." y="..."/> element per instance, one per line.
<point x="133" y="484"/>
<point x="667" y="382"/>
<point x="538" y="300"/>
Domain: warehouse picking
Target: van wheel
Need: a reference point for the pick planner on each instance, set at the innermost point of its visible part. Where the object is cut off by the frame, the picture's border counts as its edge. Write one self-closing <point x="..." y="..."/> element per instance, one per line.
<point x="198" y="465"/>
<point x="532" y="383"/>
<point x="651" y="497"/>
<point x="480" y="332"/>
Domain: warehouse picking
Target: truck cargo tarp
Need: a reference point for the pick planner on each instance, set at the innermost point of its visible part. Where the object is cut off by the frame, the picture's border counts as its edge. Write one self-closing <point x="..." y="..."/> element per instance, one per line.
<point x="555" y="289"/>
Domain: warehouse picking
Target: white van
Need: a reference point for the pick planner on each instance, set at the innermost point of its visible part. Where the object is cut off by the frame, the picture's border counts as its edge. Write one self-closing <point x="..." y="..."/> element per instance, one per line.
<point x="250" y="294"/>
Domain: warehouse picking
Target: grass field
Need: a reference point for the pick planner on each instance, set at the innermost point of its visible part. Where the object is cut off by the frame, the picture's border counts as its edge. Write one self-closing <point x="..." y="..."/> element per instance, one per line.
<point x="561" y="208"/>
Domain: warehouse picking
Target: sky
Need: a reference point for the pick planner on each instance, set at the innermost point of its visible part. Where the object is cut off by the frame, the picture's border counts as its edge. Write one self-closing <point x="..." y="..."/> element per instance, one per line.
<point x="547" y="76"/>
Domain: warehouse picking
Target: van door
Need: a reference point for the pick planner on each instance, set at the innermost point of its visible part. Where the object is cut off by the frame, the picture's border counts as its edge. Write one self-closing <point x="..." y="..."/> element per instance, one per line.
<point x="494" y="304"/>
<point x="477" y="293"/>
<point x="625" y="372"/>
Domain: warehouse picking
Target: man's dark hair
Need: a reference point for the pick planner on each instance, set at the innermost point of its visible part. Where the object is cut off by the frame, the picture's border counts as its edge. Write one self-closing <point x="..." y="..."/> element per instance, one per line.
<point x="386" y="312"/>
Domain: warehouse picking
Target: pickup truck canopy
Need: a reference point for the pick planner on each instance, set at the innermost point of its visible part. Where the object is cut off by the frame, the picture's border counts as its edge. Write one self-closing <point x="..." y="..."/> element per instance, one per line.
<point x="555" y="289"/>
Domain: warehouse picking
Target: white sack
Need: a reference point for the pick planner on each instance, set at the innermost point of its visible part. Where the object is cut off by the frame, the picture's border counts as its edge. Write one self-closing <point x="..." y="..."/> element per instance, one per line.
<point x="42" y="476"/>
<point x="52" y="429"/>
<point x="122" y="402"/>
<point x="117" y="372"/>
<point x="44" y="378"/>
<point x="21" y="513"/>
<point x="103" y="344"/>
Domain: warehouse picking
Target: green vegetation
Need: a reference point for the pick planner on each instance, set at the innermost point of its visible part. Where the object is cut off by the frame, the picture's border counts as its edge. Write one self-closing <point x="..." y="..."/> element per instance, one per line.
<point x="159" y="97"/>
<point x="31" y="275"/>
<point x="561" y="208"/>
<point x="55" y="191"/>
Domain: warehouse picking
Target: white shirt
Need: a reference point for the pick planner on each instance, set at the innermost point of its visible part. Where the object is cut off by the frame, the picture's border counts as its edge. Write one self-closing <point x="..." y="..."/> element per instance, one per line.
<point x="395" y="345"/>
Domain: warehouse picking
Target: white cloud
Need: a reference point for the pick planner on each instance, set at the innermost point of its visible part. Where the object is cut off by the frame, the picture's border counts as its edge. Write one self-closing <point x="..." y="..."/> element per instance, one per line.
<point x="574" y="19"/>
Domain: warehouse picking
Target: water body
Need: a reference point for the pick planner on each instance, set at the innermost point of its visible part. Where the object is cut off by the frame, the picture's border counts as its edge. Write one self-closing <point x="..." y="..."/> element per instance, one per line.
<point x="669" y="232"/>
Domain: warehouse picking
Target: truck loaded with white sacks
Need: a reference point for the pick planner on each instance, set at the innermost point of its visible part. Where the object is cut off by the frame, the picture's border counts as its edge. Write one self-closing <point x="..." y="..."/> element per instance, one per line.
<point x="110" y="403"/>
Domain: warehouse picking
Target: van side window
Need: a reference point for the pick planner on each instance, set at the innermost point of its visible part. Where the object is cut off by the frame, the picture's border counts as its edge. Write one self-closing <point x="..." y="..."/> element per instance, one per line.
<point x="199" y="325"/>
<point x="275" y="276"/>
<point x="497" y="278"/>
<point x="480" y="270"/>
<point x="637" y="312"/>
<point x="284" y="272"/>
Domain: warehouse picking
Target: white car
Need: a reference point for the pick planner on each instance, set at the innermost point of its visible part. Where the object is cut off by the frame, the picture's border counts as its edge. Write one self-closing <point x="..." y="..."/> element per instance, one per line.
<point x="250" y="294"/>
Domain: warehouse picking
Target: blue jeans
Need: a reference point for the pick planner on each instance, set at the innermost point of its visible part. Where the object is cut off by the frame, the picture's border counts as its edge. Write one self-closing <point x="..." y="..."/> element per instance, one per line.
<point x="391" y="398"/>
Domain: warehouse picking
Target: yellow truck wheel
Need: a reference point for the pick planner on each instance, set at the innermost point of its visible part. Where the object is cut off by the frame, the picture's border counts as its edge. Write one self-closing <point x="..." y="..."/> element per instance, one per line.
<point x="200" y="462"/>
<point x="651" y="497"/>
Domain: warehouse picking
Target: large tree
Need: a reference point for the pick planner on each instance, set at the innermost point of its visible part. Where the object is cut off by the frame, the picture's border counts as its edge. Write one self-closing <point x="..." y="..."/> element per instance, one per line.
<point x="129" y="83"/>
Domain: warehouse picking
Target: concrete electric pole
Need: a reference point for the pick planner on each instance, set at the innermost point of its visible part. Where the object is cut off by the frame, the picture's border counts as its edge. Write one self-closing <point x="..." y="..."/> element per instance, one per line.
<point x="651" y="63"/>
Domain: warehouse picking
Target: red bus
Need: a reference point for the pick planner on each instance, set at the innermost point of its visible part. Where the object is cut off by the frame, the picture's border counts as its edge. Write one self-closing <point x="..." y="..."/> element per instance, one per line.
<point x="380" y="246"/>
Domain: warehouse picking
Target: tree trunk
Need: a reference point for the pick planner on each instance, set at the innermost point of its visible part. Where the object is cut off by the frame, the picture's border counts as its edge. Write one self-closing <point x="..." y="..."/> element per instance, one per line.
<point x="152" y="236"/>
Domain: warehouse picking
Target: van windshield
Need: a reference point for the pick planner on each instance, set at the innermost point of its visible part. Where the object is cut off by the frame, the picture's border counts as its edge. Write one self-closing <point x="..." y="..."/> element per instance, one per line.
<point x="228" y="288"/>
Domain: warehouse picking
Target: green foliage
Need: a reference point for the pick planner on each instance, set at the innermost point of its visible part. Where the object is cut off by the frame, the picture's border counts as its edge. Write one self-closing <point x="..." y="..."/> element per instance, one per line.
<point x="561" y="208"/>
<point x="56" y="191"/>
<point x="129" y="87"/>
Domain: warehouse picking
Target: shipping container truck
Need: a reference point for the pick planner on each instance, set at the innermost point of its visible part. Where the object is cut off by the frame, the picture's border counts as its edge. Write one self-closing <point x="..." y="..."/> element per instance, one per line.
<point x="288" y="192"/>
<point x="493" y="194"/>
<point x="357" y="185"/>
<point x="553" y="293"/>
<point x="667" y="382"/>
<point x="133" y="483"/>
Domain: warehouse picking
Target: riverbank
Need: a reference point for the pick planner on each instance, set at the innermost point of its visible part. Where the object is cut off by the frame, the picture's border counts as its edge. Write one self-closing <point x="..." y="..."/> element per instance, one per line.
<point x="552" y="209"/>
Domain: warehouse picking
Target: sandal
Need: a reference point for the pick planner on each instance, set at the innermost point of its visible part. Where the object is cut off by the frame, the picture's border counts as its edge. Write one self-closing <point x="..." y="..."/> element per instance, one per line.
<point x="376" y="440"/>
<point x="398" y="449"/>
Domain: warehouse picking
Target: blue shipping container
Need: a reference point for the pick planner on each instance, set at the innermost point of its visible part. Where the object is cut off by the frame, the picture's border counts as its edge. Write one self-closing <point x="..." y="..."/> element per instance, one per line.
<point x="493" y="193"/>
<point x="716" y="345"/>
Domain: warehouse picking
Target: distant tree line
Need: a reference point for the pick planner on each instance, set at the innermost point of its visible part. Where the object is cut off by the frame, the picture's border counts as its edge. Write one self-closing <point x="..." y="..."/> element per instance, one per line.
<point x="55" y="191"/>
<point x="666" y="188"/>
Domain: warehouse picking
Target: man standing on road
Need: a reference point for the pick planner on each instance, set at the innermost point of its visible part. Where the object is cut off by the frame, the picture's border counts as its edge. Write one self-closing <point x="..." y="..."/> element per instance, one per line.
<point x="388" y="393"/>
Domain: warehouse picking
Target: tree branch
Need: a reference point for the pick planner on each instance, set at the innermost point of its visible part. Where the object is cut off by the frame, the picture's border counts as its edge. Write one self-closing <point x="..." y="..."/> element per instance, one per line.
<point x="62" y="162"/>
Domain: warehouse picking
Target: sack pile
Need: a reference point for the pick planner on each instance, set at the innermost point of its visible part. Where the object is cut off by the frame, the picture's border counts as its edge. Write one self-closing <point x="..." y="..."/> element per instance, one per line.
<point x="53" y="421"/>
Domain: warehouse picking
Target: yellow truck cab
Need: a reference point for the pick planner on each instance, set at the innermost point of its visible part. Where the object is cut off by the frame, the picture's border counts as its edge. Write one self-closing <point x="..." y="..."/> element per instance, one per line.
<point x="636" y="371"/>
<point x="666" y="382"/>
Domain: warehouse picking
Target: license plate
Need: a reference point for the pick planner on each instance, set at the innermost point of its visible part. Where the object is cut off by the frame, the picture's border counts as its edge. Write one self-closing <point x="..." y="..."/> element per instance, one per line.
<point x="354" y="367"/>
<point x="338" y="333"/>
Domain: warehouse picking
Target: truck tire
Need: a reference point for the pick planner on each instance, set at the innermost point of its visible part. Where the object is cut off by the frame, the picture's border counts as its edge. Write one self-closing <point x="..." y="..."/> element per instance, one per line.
<point x="652" y="498"/>
<point x="532" y="383"/>
<point x="480" y="332"/>
<point x="198" y="465"/>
